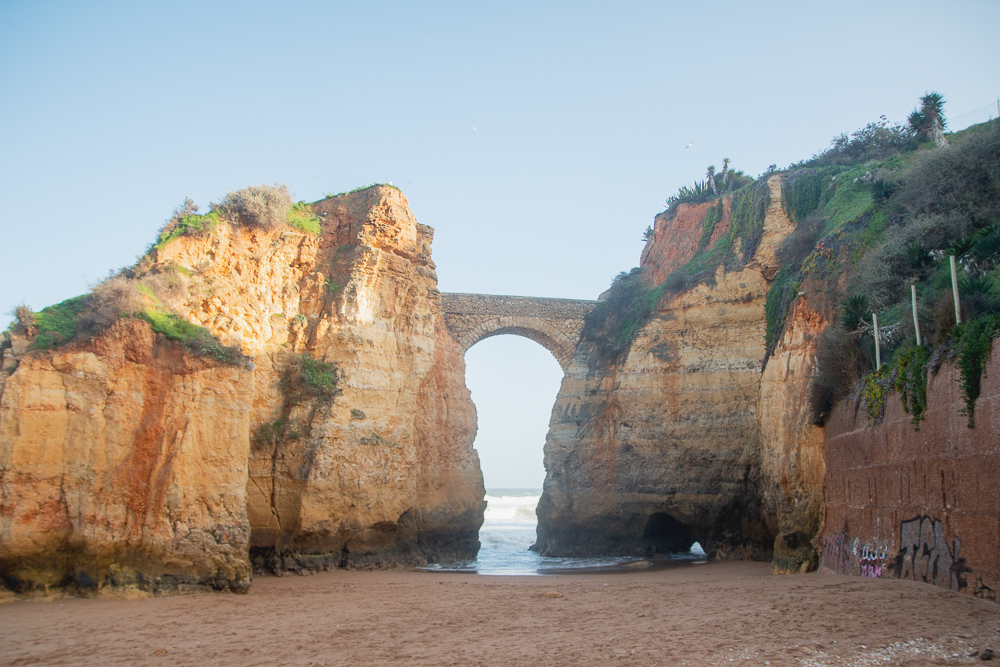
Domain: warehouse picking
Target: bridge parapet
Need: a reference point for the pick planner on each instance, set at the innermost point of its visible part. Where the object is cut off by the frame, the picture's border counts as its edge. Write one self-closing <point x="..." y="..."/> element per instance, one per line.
<point x="555" y="324"/>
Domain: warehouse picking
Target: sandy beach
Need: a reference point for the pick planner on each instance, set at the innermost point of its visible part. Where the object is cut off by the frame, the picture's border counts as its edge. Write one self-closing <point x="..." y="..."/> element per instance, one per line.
<point x="714" y="614"/>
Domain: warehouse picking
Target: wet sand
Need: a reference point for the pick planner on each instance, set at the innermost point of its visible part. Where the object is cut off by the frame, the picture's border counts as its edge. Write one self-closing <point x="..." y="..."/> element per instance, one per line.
<point x="714" y="614"/>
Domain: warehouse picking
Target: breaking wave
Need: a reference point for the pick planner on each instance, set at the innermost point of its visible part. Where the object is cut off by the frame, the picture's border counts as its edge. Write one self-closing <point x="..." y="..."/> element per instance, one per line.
<point x="509" y="529"/>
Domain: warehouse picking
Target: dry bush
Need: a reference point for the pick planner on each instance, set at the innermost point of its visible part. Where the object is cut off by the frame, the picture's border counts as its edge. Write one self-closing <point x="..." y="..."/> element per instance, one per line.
<point x="24" y="318"/>
<point x="166" y="284"/>
<point x="964" y="179"/>
<point x="264" y="206"/>
<point x="885" y="273"/>
<point x="841" y="359"/>
<point x="109" y="300"/>
<point x="187" y="207"/>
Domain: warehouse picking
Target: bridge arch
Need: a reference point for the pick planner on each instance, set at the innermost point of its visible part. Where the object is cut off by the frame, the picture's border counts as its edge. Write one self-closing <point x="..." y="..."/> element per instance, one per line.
<point x="555" y="324"/>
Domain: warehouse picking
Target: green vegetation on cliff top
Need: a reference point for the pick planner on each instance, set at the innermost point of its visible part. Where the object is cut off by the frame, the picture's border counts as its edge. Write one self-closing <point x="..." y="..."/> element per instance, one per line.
<point x="882" y="209"/>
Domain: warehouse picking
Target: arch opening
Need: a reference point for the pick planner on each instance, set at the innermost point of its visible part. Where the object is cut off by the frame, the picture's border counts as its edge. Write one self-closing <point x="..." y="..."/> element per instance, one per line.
<point x="559" y="344"/>
<point x="514" y="382"/>
<point x="664" y="535"/>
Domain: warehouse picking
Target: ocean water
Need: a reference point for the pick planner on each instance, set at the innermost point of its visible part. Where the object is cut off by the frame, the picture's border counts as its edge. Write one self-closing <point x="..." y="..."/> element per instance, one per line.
<point x="509" y="529"/>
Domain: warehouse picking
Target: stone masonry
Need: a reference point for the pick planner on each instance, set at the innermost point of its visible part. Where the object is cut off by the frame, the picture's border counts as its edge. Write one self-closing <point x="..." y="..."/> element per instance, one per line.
<point x="555" y="324"/>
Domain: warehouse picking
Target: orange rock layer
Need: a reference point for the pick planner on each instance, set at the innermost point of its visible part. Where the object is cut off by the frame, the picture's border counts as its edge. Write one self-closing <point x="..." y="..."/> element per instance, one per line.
<point x="379" y="471"/>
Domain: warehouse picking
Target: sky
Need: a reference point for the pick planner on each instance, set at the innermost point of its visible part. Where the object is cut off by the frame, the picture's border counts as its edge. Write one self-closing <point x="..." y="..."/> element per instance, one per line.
<point x="538" y="139"/>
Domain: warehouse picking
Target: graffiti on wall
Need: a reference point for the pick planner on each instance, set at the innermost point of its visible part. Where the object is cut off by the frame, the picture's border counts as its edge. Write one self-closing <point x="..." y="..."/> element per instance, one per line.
<point x="845" y="555"/>
<point x="873" y="559"/>
<point x="925" y="555"/>
<point x="981" y="590"/>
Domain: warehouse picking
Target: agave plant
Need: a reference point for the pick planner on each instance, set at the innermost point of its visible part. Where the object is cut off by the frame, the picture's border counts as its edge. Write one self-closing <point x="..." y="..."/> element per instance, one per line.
<point x="855" y="312"/>
<point x="918" y="256"/>
<point x="979" y="251"/>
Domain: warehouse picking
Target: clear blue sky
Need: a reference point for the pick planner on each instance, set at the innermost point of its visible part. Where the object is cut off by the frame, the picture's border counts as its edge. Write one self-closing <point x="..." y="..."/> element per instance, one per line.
<point x="538" y="139"/>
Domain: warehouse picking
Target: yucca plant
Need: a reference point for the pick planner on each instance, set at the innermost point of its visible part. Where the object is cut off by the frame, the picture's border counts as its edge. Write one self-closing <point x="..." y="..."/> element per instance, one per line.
<point x="918" y="256"/>
<point x="929" y="121"/>
<point x="855" y="312"/>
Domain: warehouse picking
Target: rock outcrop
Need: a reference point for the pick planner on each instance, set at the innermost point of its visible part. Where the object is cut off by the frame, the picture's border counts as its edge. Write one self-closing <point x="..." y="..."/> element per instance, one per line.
<point x="384" y="472"/>
<point x="665" y="447"/>
<point x="124" y="460"/>
<point x="123" y="464"/>
<point x="792" y="451"/>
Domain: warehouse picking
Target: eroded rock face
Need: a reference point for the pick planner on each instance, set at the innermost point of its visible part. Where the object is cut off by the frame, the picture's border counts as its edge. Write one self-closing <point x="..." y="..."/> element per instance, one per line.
<point x="123" y="463"/>
<point x="666" y="447"/>
<point x="792" y="452"/>
<point x="126" y="461"/>
<point x="384" y="472"/>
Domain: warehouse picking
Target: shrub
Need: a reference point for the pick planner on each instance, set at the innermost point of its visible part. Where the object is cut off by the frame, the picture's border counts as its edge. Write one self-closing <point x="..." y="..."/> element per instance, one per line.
<point x="965" y="179"/>
<point x="840" y="362"/>
<point x="712" y="217"/>
<point x="746" y="220"/>
<point x="875" y="388"/>
<point x="187" y="225"/>
<point x="696" y="194"/>
<point x="973" y="342"/>
<point x="875" y="141"/>
<point x="854" y="312"/>
<point x="612" y="324"/>
<point x="801" y="242"/>
<point x="268" y="434"/>
<point x="801" y="191"/>
<point x="197" y="339"/>
<point x="784" y="290"/>
<point x="24" y="318"/>
<point x="262" y="206"/>
<point x="979" y="296"/>
<point x="108" y="301"/>
<point x="309" y="378"/>
<point x="941" y="316"/>
<point x="911" y="381"/>
<point x="702" y="191"/>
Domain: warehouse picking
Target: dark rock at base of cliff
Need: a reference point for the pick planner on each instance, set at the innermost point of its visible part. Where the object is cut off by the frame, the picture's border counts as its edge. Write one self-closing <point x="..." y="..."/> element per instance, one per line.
<point x="794" y="553"/>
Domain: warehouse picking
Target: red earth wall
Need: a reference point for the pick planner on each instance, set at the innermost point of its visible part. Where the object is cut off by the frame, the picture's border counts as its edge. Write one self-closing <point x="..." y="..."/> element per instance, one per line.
<point x="922" y="505"/>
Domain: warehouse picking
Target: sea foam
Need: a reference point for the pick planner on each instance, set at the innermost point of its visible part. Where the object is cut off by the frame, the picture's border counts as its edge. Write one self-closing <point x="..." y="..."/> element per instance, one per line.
<point x="509" y="529"/>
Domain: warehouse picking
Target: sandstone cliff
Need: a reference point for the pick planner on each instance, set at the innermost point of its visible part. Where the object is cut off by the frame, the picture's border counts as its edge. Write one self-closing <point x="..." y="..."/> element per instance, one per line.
<point x="123" y="463"/>
<point x="386" y="470"/>
<point x="667" y="445"/>
<point x="792" y="449"/>
<point x="349" y="444"/>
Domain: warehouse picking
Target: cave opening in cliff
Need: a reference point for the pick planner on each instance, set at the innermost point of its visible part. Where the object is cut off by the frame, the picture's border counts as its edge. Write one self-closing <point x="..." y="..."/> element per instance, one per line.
<point x="666" y="535"/>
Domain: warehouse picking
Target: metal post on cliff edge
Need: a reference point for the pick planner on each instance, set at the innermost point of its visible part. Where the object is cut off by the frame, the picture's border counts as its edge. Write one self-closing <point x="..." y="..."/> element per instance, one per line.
<point x="916" y="320"/>
<point x="954" y="291"/>
<point x="878" y="348"/>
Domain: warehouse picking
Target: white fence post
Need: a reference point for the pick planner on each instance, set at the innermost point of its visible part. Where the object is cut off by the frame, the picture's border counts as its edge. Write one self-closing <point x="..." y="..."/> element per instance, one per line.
<point x="954" y="291"/>
<point x="878" y="348"/>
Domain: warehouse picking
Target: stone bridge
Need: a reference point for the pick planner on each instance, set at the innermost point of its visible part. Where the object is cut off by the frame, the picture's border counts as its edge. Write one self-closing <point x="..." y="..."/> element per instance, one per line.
<point x="555" y="324"/>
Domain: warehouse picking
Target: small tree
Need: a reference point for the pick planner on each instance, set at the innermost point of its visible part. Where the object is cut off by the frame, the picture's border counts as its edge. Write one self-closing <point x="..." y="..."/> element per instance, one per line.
<point x="928" y="121"/>
<point x="710" y="174"/>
